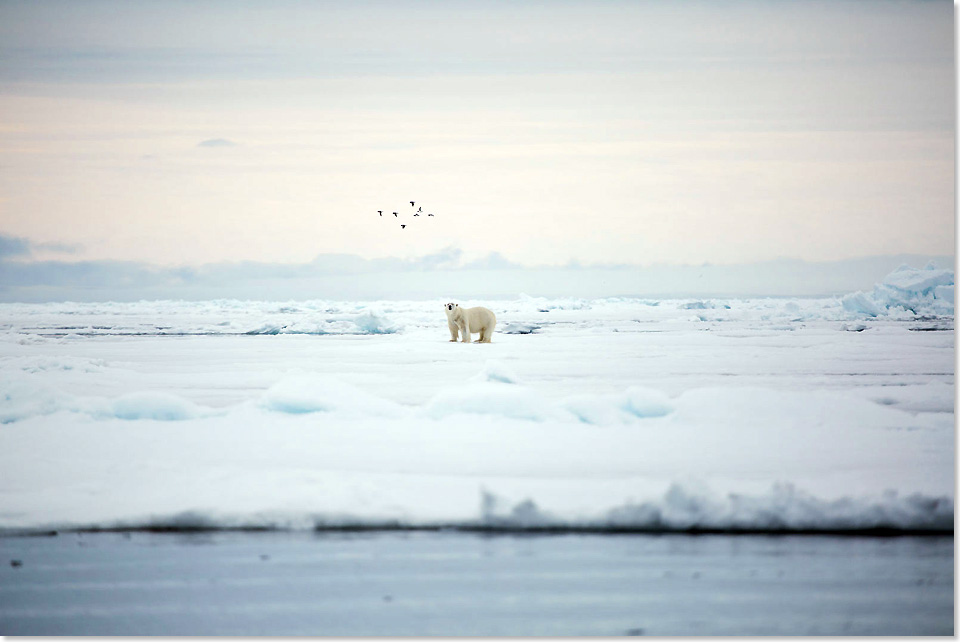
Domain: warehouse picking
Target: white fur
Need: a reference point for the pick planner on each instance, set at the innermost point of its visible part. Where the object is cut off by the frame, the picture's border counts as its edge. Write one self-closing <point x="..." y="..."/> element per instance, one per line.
<point x="464" y="321"/>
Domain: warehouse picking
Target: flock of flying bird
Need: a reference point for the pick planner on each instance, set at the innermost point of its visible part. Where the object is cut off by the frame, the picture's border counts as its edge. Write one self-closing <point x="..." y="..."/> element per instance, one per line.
<point x="417" y="213"/>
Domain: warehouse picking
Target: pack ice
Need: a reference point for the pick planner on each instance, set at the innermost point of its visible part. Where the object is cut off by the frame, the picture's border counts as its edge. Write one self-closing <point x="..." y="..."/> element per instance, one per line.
<point x="907" y="291"/>
<point x="620" y="413"/>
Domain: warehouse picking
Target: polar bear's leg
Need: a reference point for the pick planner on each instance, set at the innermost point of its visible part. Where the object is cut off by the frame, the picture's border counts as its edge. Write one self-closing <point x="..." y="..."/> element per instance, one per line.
<point x="453" y="331"/>
<point x="483" y="333"/>
<point x="464" y="330"/>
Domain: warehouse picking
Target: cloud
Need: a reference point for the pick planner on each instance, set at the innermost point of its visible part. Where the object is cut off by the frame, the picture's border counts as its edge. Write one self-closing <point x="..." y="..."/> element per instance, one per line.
<point x="341" y="264"/>
<point x="13" y="246"/>
<point x="97" y="274"/>
<point x="216" y="142"/>
<point x="493" y="261"/>
<point x="445" y="259"/>
<point x="59" y="248"/>
<point x="349" y="277"/>
<point x="439" y="274"/>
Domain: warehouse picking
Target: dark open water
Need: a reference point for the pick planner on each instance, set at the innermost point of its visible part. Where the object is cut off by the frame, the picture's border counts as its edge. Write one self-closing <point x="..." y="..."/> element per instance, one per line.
<point x="453" y="584"/>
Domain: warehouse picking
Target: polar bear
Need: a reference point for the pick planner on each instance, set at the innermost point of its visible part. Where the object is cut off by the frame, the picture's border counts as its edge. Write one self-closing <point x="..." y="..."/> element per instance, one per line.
<point x="467" y="320"/>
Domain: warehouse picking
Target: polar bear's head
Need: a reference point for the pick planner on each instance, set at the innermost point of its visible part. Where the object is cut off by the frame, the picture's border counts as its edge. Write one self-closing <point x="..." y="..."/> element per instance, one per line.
<point x="452" y="310"/>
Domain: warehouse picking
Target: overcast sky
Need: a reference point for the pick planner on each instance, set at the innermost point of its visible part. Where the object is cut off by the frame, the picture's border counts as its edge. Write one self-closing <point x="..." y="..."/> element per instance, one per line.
<point x="185" y="133"/>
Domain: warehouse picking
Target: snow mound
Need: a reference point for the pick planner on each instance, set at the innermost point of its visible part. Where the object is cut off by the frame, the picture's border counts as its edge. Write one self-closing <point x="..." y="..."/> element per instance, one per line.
<point x="160" y="406"/>
<point x="364" y="323"/>
<point x="30" y="398"/>
<point x="267" y="328"/>
<point x="645" y="402"/>
<point x="302" y="394"/>
<point x="691" y="507"/>
<point x="489" y="398"/>
<point x="785" y="508"/>
<point x="493" y="392"/>
<point x="27" y="397"/>
<point x="922" y="292"/>
<point x="633" y="403"/>
<point x="519" y="328"/>
<point x="499" y="513"/>
<point x="371" y="323"/>
<point x="495" y="371"/>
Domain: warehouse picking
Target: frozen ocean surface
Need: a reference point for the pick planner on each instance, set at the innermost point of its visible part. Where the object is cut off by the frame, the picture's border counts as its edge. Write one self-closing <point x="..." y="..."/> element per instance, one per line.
<point x="769" y="415"/>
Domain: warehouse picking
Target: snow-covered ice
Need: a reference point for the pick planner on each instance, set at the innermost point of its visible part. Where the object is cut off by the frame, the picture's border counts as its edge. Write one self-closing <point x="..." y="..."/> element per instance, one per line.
<point x="740" y="414"/>
<point x="907" y="290"/>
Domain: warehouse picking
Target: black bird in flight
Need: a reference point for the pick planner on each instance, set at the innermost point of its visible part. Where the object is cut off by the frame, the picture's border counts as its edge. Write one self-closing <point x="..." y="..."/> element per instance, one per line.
<point x="419" y="209"/>
<point x="416" y="214"/>
<point x="402" y="226"/>
<point x="411" y="203"/>
<point x="429" y="214"/>
<point x="394" y="213"/>
<point x="380" y="212"/>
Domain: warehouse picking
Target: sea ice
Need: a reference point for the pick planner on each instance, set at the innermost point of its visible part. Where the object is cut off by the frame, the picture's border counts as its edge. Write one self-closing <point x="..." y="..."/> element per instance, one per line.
<point x="489" y="398"/>
<point x="298" y="394"/>
<point x="922" y="292"/>
<point x="161" y="406"/>
<point x="616" y="413"/>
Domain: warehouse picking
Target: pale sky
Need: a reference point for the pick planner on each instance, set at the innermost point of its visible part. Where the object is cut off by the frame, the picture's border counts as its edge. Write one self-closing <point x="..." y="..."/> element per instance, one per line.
<point x="600" y="132"/>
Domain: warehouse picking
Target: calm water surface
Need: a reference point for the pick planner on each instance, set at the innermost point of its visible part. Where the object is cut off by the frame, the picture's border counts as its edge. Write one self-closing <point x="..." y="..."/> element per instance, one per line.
<point x="451" y="584"/>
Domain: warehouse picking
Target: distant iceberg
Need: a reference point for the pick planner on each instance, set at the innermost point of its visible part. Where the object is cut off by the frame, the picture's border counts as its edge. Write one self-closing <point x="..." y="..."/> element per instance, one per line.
<point x="926" y="292"/>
